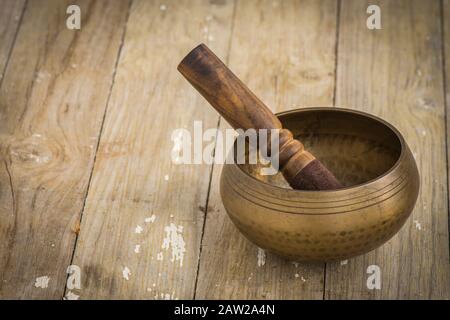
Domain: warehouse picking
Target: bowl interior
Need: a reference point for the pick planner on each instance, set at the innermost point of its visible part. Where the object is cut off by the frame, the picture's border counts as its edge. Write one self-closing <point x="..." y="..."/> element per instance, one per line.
<point x="356" y="147"/>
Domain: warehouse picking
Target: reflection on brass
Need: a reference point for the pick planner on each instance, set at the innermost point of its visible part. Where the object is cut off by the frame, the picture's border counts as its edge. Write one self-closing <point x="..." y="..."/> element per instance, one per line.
<point x="368" y="155"/>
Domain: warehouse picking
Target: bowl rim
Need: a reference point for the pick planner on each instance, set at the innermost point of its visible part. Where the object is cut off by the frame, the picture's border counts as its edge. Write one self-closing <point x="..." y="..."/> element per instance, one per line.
<point x="397" y="163"/>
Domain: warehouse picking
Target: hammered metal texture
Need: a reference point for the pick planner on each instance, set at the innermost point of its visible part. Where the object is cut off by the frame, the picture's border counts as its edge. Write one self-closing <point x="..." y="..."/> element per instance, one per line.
<point x="368" y="155"/>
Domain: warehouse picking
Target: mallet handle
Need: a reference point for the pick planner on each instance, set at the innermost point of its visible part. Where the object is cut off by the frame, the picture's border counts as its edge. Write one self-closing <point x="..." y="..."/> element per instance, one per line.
<point x="242" y="109"/>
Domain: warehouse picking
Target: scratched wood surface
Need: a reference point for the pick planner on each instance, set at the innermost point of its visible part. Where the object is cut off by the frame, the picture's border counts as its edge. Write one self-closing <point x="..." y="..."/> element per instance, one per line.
<point x="10" y="16"/>
<point x="86" y="117"/>
<point x="134" y="180"/>
<point x="295" y="68"/>
<point x="52" y="102"/>
<point x="446" y="40"/>
<point x="396" y="73"/>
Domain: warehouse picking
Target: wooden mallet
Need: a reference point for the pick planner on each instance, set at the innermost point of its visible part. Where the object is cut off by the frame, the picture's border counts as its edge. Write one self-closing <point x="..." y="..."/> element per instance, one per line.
<point x="243" y="110"/>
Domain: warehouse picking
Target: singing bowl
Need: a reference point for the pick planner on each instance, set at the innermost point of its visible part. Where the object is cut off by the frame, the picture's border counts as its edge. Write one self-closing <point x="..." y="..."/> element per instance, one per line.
<point x="367" y="154"/>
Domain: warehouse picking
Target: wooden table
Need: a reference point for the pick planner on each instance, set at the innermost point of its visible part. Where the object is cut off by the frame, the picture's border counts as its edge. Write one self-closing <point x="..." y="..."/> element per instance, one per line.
<point x="86" y="177"/>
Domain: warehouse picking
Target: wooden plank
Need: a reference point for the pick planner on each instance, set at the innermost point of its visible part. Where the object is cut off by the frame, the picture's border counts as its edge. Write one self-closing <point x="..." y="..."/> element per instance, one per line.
<point x="396" y="73"/>
<point x="134" y="178"/>
<point x="446" y="48"/>
<point x="52" y="103"/>
<point x="284" y="51"/>
<point x="9" y="23"/>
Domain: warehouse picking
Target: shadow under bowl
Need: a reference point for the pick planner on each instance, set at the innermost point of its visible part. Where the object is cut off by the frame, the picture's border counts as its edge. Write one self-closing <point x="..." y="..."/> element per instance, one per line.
<point x="368" y="155"/>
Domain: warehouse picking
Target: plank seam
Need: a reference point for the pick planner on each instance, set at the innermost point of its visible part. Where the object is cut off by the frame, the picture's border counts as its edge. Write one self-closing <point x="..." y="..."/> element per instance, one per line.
<point x="19" y="24"/>
<point x="336" y="52"/>
<point x="100" y="136"/>
<point x="227" y="60"/>
<point x="13" y="199"/>
<point x="444" y="83"/>
<point x="336" y="49"/>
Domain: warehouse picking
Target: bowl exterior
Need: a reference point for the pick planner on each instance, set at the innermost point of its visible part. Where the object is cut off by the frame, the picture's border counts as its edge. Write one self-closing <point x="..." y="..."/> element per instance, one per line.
<point x="321" y="225"/>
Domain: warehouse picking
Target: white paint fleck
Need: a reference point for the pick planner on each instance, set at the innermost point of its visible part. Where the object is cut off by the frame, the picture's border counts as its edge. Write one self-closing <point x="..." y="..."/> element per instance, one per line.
<point x="42" y="282"/>
<point x="166" y="296"/>
<point x="421" y="131"/>
<point x="261" y="257"/>
<point x="137" y="248"/>
<point x="149" y="289"/>
<point x="166" y="177"/>
<point x="53" y="245"/>
<point x="417" y="224"/>
<point x="294" y="60"/>
<point x="71" y="296"/>
<point x="175" y="241"/>
<point x="425" y="103"/>
<point x="344" y="262"/>
<point x="138" y="229"/>
<point x="33" y="157"/>
<point x="295" y="264"/>
<point x="163" y="7"/>
<point x="126" y="273"/>
<point x="150" y="219"/>
<point x="160" y="256"/>
<point x="154" y="285"/>
<point x="73" y="65"/>
<point x="297" y="275"/>
<point x="211" y="38"/>
<point x="303" y="279"/>
<point x="171" y="216"/>
<point x="177" y="146"/>
<point x="42" y="75"/>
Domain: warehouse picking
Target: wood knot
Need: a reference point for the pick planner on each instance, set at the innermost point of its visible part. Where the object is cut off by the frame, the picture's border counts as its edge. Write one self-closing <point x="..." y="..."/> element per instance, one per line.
<point x="31" y="151"/>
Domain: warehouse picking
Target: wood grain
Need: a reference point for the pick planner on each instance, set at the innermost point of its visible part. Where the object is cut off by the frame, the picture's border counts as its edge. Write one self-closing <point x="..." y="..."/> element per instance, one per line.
<point x="10" y="14"/>
<point x="446" y="47"/>
<point x="52" y="102"/>
<point x="134" y="177"/>
<point x="54" y="89"/>
<point x="396" y="73"/>
<point x="295" y="68"/>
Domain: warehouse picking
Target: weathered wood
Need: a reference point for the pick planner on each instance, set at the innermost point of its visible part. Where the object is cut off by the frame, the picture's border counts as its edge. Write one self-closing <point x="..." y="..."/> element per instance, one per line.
<point x="445" y="14"/>
<point x="295" y="68"/>
<point x="53" y="95"/>
<point x="10" y="14"/>
<point x="52" y="103"/>
<point x="396" y="73"/>
<point x="138" y="198"/>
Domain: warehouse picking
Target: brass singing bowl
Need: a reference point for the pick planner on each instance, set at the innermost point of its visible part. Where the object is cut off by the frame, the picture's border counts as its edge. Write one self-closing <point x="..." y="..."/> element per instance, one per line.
<point x="367" y="154"/>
